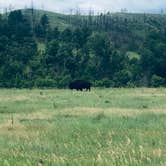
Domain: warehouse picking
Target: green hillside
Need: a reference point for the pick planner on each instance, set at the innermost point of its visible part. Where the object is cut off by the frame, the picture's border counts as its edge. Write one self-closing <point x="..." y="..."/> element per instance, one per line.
<point x="56" y="19"/>
<point x="61" y="20"/>
<point x="46" y="49"/>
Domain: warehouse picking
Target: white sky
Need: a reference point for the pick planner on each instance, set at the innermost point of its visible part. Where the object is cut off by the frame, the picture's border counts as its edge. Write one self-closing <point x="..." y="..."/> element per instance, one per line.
<point x="97" y="5"/>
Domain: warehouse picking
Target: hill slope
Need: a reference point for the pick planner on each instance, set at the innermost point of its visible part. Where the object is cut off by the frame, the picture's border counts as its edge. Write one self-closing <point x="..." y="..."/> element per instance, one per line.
<point x="56" y="19"/>
<point x="45" y="49"/>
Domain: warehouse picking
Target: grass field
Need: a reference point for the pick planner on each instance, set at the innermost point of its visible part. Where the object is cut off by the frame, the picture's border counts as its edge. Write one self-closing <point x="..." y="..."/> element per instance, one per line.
<point x="121" y="127"/>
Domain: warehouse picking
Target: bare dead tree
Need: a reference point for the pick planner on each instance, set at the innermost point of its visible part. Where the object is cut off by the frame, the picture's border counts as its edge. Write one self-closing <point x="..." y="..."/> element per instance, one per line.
<point x="10" y="8"/>
<point x="32" y="16"/>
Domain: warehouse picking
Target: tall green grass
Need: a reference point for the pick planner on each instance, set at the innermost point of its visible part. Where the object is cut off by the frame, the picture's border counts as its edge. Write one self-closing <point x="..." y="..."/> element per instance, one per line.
<point x="102" y="127"/>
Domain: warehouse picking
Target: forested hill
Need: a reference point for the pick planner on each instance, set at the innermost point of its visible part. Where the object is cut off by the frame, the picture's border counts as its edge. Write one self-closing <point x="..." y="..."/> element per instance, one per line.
<point x="44" y="49"/>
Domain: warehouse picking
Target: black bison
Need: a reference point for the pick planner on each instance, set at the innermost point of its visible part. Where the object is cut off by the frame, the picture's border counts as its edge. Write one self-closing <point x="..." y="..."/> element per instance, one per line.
<point x="80" y="85"/>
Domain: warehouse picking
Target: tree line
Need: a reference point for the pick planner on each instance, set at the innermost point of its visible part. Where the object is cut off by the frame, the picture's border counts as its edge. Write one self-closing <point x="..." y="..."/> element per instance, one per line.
<point x="124" y="50"/>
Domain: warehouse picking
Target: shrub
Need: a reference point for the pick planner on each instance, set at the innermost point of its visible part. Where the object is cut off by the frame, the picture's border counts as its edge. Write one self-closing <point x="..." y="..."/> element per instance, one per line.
<point x="157" y="81"/>
<point x="122" y="78"/>
<point x="104" y="83"/>
<point x="64" y="81"/>
<point x="45" y="82"/>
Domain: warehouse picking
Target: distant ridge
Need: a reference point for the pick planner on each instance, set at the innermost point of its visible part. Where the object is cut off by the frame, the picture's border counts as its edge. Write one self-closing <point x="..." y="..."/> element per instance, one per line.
<point x="150" y="11"/>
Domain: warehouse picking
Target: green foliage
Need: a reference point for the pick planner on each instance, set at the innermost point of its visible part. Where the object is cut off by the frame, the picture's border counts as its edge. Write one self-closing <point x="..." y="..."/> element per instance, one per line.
<point x="133" y="55"/>
<point x="105" y="82"/>
<point x="45" y="82"/>
<point x="63" y="81"/>
<point x="122" y="78"/>
<point x="110" y="50"/>
<point x="157" y="81"/>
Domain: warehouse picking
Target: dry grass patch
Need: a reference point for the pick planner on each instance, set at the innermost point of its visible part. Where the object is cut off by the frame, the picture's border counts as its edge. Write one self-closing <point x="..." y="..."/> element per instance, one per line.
<point x="119" y="111"/>
<point x="149" y="95"/>
<point x="10" y="129"/>
<point x="157" y="152"/>
<point x="41" y="115"/>
<point x="14" y="98"/>
<point x="14" y="127"/>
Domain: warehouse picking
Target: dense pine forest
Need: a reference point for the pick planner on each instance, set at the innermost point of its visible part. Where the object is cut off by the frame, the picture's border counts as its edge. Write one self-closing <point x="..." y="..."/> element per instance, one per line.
<point x="43" y="49"/>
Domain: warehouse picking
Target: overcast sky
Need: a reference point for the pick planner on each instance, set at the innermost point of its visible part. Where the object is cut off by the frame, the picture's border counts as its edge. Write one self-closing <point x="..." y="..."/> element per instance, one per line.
<point x="84" y="5"/>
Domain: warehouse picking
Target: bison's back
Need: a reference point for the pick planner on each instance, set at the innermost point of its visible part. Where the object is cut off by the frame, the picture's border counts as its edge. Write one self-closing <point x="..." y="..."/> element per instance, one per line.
<point x="80" y="85"/>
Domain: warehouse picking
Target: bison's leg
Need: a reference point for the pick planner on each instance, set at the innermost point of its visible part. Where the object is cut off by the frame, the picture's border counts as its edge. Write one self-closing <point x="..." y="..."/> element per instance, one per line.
<point x="88" y="89"/>
<point x="79" y="89"/>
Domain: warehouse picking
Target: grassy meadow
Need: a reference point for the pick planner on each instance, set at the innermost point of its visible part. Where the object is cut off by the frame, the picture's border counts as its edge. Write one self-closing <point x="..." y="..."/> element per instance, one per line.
<point x="121" y="127"/>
